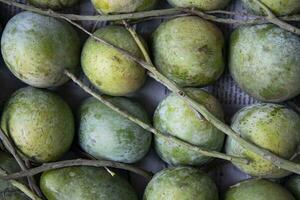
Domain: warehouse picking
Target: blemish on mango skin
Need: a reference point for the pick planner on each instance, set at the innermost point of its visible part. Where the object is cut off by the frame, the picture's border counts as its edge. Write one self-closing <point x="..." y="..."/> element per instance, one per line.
<point x="270" y="126"/>
<point x="173" y="116"/>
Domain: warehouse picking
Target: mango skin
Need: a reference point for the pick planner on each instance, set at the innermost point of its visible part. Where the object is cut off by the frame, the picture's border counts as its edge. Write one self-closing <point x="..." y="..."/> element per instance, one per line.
<point x="175" y="117"/>
<point x="258" y="189"/>
<point x="182" y="183"/>
<point x="123" y="6"/>
<point x="37" y="49"/>
<point x="40" y="123"/>
<point x="188" y="50"/>
<point x="53" y="4"/>
<point x="205" y="5"/>
<point x="279" y="7"/>
<point x="270" y="126"/>
<point x="7" y="191"/>
<point x="293" y="185"/>
<point x="105" y="134"/>
<point x="264" y="60"/>
<point x="85" y="183"/>
<point x="108" y="69"/>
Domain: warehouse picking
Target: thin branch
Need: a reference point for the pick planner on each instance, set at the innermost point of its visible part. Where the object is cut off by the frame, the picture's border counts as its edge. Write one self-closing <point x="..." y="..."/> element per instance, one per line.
<point x="271" y="17"/>
<point x="247" y="21"/>
<point x="9" y="145"/>
<point x="254" y="19"/>
<point x="142" y="48"/>
<point x="231" y="13"/>
<point x="138" y="42"/>
<point x="276" y="160"/>
<point x="87" y="155"/>
<point x="100" y="18"/>
<point x="168" y="17"/>
<point x="23" y="188"/>
<point x="77" y="162"/>
<point x="32" y="182"/>
<point x="151" y="129"/>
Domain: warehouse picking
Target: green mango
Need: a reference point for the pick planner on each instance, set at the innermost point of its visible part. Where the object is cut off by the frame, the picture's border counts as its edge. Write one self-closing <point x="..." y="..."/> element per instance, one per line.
<point x="39" y="122"/>
<point x="293" y="185"/>
<point x="258" y="189"/>
<point x="264" y="60"/>
<point x="53" y="4"/>
<point x="269" y="126"/>
<point x="85" y="183"/>
<point x="205" y="5"/>
<point x="37" y="49"/>
<point x="175" y="117"/>
<point x="279" y="7"/>
<point x="123" y="6"/>
<point x="188" y="50"/>
<point x="105" y="134"/>
<point x="109" y="70"/>
<point x="182" y="183"/>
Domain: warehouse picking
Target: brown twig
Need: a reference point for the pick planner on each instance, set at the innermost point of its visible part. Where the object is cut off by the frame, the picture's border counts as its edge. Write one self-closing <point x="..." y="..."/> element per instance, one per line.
<point x="254" y="19"/>
<point x="204" y="15"/>
<point x="231" y="13"/>
<point x="23" y="188"/>
<point x="138" y="42"/>
<point x="32" y="183"/>
<point x="9" y="145"/>
<point x="100" y="18"/>
<point x="264" y="153"/>
<point x="77" y="162"/>
<point x="276" y="160"/>
<point x="87" y="155"/>
<point x="151" y="129"/>
<point x="271" y="17"/>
